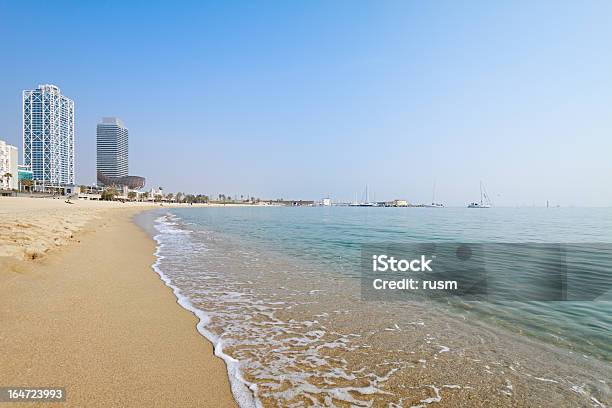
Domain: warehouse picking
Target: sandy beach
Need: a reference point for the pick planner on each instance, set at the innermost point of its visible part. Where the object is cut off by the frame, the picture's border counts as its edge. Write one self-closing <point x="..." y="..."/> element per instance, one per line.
<point x="81" y="308"/>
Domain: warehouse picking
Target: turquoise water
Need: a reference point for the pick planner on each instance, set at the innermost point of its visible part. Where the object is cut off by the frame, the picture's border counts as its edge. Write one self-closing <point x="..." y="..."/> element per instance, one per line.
<point x="279" y="293"/>
<point x="331" y="238"/>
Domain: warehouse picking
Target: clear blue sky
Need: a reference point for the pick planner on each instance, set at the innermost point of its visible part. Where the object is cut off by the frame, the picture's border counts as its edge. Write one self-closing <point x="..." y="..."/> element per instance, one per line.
<point x="301" y="98"/>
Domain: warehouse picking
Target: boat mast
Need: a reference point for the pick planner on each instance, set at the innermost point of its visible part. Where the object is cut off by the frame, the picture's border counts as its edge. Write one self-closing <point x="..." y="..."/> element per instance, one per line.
<point x="486" y="196"/>
<point x="433" y="196"/>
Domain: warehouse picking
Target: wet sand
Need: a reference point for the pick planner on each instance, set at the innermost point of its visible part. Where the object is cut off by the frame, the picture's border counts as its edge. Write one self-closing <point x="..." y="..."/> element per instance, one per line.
<point x="305" y="337"/>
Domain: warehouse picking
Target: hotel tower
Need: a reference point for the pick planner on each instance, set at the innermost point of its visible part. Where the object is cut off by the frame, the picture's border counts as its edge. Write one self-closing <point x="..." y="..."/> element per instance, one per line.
<point x="48" y="136"/>
<point x="112" y="150"/>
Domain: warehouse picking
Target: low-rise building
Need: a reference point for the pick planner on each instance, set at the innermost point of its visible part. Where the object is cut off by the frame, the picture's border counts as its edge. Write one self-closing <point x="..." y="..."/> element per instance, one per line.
<point x="90" y="193"/>
<point x="8" y="166"/>
<point x="292" y="203"/>
<point x="24" y="173"/>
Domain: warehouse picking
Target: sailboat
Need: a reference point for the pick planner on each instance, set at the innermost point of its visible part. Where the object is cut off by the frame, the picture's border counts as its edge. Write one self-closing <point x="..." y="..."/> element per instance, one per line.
<point x="366" y="203"/>
<point x="485" y="201"/>
<point x="433" y="200"/>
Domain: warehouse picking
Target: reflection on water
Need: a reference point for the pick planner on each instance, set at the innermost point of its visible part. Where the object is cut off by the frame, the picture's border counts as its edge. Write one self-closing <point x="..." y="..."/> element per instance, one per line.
<point x="279" y="286"/>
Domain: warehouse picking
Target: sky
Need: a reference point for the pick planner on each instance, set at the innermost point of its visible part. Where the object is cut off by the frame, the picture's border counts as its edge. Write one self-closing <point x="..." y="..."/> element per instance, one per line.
<point x="308" y="99"/>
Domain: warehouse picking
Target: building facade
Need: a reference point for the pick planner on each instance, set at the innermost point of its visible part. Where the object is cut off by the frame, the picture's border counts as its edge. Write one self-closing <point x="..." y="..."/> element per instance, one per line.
<point x="25" y="178"/>
<point x="48" y="136"/>
<point x="8" y="166"/>
<point x="111" y="149"/>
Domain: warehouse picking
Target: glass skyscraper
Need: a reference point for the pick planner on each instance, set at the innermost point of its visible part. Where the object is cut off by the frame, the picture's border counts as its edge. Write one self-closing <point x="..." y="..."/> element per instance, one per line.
<point x="112" y="149"/>
<point x="48" y="136"/>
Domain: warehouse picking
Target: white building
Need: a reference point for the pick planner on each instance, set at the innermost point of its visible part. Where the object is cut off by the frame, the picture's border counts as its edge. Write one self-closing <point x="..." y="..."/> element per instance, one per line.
<point x="154" y="193"/>
<point x="111" y="148"/>
<point x="326" y="202"/>
<point x="8" y="165"/>
<point x="48" y="136"/>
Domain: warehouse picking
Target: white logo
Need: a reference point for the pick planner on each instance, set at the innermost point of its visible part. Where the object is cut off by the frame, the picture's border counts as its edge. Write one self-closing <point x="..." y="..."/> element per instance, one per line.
<point x="384" y="263"/>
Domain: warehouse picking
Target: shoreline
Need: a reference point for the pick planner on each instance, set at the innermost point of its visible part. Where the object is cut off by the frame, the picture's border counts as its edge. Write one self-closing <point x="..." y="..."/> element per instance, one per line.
<point x="241" y="389"/>
<point x="439" y="343"/>
<point x="119" y="355"/>
<point x="90" y="315"/>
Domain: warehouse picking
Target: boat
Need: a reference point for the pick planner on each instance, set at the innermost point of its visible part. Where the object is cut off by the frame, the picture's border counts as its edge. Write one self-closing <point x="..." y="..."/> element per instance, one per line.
<point x="433" y="200"/>
<point x="366" y="203"/>
<point x="485" y="201"/>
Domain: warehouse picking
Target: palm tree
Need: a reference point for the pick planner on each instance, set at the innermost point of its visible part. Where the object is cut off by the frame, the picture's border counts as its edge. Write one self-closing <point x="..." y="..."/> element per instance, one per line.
<point x="145" y="195"/>
<point x="7" y="177"/>
<point x="169" y="196"/>
<point x="109" y="194"/>
<point x="132" y="195"/>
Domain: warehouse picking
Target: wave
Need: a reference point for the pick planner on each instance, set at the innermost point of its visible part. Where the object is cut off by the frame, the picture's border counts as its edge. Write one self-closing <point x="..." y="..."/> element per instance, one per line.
<point x="241" y="389"/>
<point x="295" y="334"/>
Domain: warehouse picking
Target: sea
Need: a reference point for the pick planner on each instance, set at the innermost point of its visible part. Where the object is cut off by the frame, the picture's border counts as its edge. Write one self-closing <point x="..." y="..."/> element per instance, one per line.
<point x="278" y="293"/>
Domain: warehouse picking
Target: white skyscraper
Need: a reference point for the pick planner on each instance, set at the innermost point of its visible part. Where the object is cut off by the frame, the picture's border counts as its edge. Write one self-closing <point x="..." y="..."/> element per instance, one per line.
<point x="8" y="166"/>
<point x="48" y="136"/>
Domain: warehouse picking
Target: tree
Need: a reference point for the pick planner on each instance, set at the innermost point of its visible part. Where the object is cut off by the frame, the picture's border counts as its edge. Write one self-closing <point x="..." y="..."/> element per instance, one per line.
<point x="109" y="194"/>
<point x="169" y="196"/>
<point x="158" y="197"/>
<point x="203" y="198"/>
<point x="132" y="195"/>
<point x="7" y="177"/>
<point x="179" y="197"/>
<point x="145" y="195"/>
